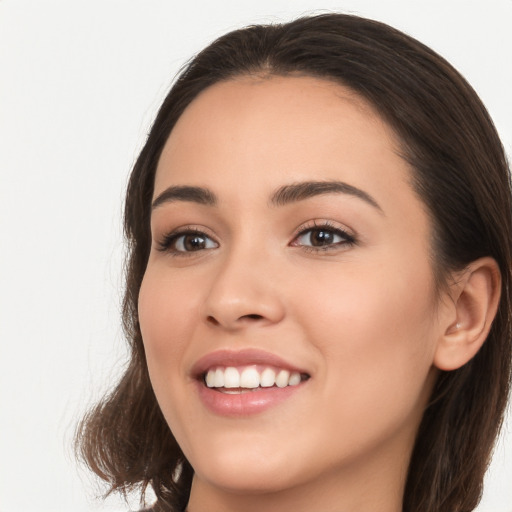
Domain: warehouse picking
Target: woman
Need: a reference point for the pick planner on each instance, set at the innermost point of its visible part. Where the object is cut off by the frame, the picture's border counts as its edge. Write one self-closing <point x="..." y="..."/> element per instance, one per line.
<point x="318" y="283"/>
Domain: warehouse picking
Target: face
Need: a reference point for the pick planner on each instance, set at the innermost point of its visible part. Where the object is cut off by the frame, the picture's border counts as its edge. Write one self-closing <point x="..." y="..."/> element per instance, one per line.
<point x="288" y="309"/>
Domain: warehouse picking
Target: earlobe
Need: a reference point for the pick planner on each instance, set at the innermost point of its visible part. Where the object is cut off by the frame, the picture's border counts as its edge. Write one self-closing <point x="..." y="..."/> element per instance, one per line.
<point x="475" y="296"/>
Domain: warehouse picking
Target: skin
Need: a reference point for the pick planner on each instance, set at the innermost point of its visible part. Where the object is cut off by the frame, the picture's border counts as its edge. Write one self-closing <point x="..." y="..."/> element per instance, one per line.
<point x="363" y="318"/>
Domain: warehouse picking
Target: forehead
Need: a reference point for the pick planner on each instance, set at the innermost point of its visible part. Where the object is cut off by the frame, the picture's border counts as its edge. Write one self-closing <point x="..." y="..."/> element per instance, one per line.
<point x="254" y="134"/>
<point x="260" y="122"/>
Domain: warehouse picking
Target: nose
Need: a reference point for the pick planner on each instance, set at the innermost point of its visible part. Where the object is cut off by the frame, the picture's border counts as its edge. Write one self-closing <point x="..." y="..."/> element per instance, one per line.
<point x="244" y="292"/>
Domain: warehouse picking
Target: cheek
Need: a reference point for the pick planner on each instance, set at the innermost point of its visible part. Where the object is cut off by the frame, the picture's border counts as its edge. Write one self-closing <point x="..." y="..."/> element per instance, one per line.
<point x="378" y="304"/>
<point x="168" y="317"/>
<point x="377" y="334"/>
<point x="166" y="313"/>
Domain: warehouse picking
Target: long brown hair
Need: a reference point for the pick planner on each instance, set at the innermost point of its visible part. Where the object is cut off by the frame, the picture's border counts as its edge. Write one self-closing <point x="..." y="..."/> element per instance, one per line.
<point x="460" y="172"/>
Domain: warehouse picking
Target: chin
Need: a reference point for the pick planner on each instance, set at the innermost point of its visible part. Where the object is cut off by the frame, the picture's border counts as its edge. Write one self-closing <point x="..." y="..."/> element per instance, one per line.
<point x="240" y="471"/>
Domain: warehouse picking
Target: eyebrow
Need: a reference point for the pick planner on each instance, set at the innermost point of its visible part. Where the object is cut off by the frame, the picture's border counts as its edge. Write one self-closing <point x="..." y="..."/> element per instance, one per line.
<point x="186" y="193"/>
<point x="284" y="195"/>
<point x="304" y="190"/>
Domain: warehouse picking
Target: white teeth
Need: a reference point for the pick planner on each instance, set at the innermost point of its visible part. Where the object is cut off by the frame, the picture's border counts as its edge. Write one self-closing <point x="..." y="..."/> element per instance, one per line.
<point x="294" y="379"/>
<point x="282" y="378"/>
<point x="268" y="378"/>
<point x="219" y="378"/>
<point x="210" y="379"/>
<point x="250" y="378"/>
<point x="231" y="378"/>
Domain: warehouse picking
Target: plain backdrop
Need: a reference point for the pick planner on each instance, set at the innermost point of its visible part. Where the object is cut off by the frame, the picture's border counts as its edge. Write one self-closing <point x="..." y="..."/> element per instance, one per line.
<point x="80" y="82"/>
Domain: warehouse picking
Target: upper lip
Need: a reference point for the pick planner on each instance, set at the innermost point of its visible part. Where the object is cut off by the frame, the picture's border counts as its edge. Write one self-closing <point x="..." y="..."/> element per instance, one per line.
<point x="244" y="357"/>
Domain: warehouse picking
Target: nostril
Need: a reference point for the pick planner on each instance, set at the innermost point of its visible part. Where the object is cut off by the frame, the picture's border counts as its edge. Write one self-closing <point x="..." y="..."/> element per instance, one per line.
<point x="253" y="317"/>
<point x="233" y="322"/>
<point x="211" y="320"/>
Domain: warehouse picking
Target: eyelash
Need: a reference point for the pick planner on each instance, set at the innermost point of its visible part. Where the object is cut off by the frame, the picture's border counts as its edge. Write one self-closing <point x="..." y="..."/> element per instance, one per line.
<point x="168" y="242"/>
<point x="348" y="240"/>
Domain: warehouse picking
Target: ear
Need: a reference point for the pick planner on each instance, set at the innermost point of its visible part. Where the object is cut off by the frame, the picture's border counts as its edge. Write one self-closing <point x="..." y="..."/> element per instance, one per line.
<point x="474" y="296"/>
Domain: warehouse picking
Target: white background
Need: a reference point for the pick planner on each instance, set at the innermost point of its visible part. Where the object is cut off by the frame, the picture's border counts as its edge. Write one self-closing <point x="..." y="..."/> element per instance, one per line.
<point x="79" y="85"/>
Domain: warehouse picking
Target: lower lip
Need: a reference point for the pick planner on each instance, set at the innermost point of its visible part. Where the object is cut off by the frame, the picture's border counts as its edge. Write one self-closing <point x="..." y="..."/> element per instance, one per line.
<point x="244" y="404"/>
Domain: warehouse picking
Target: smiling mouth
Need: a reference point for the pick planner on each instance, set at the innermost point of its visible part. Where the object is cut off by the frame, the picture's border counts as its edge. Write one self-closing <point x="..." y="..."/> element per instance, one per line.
<point x="239" y="380"/>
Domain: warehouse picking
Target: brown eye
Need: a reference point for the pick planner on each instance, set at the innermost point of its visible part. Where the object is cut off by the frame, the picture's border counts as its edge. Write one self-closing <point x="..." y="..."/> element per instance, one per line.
<point x="321" y="237"/>
<point x="186" y="242"/>
<point x="190" y="242"/>
<point x="193" y="242"/>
